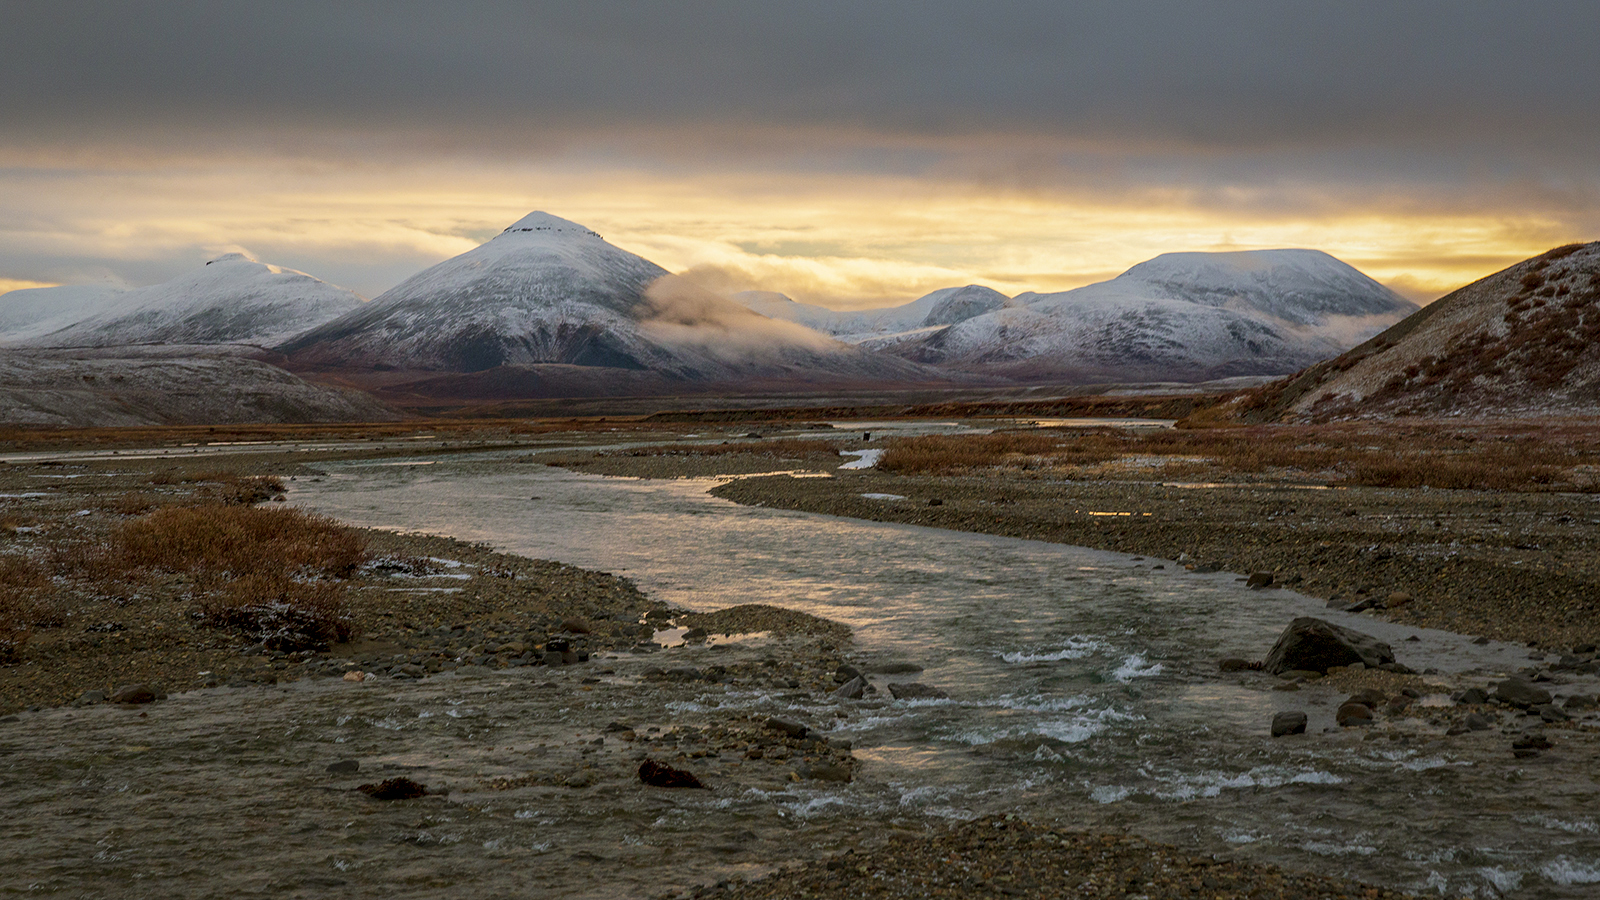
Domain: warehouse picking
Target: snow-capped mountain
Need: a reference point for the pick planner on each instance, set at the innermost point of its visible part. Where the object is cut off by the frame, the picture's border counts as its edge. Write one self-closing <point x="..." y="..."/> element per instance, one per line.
<point x="942" y="307"/>
<point x="231" y="299"/>
<point x="1524" y="341"/>
<point x="35" y="312"/>
<point x="549" y="292"/>
<point x="1178" y="317"/>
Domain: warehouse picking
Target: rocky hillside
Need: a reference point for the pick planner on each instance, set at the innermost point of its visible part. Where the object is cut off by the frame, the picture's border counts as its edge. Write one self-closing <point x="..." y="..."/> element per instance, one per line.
<point x="1524" y="341"/>
<point x="166" y="386"/>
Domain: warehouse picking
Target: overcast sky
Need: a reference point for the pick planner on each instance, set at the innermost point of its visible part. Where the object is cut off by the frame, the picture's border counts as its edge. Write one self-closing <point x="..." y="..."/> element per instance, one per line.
<point x="846" y="153"/>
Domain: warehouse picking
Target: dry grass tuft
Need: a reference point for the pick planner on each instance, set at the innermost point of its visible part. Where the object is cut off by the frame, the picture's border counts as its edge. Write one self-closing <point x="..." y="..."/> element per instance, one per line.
<point x="950" y="454"/>
<point x="27" y="601"/>
<point x="781" y="447"/>
<point x="238" y="541"/>
<point x="283" y="614"/>
<point x="262" y="572"/>
<point x="1504" y="459"/>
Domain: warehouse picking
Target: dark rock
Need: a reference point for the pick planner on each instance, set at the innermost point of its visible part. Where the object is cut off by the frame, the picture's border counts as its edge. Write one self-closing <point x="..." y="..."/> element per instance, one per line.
<point x="89" y="698"/>
<point x="784" y="726"/>
<point x="1478" y="722"/>
<point x="845" y="673"/>
<point x="1480" y="641"/>
<point x="1397" y="704"/>
<point x="393" y="789"/>
<point x="851" y="690"/>
<point x="935" y="502"/>
<point x="557" y="645"/>
<point x="914" y="690"/>
<point x="1397" y="668"/>
<point x="1258" y="580"/>
<point x="1286" y="723"/>
<point x="694" y="635"/>
<point x="1317" y="645"/>
<point x="828" y="772"/>
<point x="894" y="668"/>
<point x="1550" y="712"/>
<point x="344" y="767"/>
<point x="1372" y="698"/>
<point x="1235" y="664"/>
<point x="618" y="726"/>
<point x="575" y="625"/>
<point x="659" y="774"/>
<point x="1350" y="715"/>
<point x="1472" y="697"/>
<point x="133" y="693"/>
<point x="1521" y="693"/>
<point x="1530" y="744"/>
<point x="1579" y="701"/>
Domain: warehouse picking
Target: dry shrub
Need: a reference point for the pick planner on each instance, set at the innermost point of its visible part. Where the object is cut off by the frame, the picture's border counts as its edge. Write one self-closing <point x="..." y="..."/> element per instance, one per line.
<point x="945" y="454"/>
<point x="281" y="613"/>
<point x="27" y="601"/>
<point x="238" y="541"/>
<point x="85" y="560"/>
<point x="782" y="447"/>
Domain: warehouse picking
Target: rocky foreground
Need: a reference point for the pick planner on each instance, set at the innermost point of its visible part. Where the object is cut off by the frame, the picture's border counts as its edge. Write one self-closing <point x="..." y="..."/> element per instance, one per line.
<point x="598" y="699"/>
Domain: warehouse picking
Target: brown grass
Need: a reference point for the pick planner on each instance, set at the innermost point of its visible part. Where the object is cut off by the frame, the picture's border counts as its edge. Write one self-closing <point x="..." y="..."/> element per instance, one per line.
<point x="283" y="614"/>
<point x="237" y="541"/>
<point x="781" y="447"/>
<point x="262" y="572"/>
<point x="1445" y="457"/>
<point x="27" y="601"/>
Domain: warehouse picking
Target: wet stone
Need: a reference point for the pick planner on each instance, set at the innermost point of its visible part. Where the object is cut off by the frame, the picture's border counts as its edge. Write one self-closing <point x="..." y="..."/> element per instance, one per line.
<point x="344" y="767"/>
<point x="1521" y="693"/>
<point x="851" y="690"/>
<point x="916" y="690"/>
<point x="393" y="789"/>
<point x="1287" y="723"/>
<point x="133" y="693"/>
<point x="659" y="774"/>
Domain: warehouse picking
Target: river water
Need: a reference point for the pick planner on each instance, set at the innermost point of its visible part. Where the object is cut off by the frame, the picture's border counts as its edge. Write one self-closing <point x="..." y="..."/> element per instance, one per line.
<point x="1083" y="684"/>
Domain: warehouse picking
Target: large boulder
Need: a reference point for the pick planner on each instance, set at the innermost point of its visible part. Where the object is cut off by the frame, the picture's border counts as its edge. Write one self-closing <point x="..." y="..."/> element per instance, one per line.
<point x="1314" y="645"/>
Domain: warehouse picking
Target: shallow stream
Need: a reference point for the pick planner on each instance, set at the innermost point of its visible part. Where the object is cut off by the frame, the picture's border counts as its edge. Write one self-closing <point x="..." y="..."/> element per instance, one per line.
<point x="1083" y="683"/>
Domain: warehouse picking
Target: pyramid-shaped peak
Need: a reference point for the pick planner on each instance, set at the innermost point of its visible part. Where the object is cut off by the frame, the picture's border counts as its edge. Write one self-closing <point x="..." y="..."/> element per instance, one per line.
<point x="233" y="258"/>
<point x="544" y="223"/>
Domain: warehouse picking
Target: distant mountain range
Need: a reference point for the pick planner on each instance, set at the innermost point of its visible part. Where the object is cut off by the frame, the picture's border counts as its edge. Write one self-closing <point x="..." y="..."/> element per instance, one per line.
<point x="230" y="299"/>
<point x="1523" y="342"/>
<point x="548" y="308"/>
<point x="1178" y="317"/>
<point x="547" y="295"/>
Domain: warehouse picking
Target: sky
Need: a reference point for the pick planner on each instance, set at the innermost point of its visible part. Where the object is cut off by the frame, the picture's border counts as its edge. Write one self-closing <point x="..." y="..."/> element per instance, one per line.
<point x="850" y="154"/>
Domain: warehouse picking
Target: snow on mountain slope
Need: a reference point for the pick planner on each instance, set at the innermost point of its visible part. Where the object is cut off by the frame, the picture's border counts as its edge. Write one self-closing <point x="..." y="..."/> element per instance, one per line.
<point x="1522" y="342"/>
<point x="547" y="291"/>
<point x="231" y="299"/>
<point x="1180" y="316"/>
<point x="942" y="307"/>
<point x="34" y="312"/>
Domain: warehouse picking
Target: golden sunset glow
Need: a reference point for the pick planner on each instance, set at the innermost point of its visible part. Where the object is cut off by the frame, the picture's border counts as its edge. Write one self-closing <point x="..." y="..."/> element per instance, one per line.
<point x="846" y="242"/>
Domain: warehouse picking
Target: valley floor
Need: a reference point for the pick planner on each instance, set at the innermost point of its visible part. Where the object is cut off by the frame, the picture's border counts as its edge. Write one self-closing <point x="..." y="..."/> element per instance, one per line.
<point x="1511" y="566"/>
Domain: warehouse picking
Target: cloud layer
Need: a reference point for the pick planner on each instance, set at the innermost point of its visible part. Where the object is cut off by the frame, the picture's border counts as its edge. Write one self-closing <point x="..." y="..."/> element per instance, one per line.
<point x="844" y="153"/>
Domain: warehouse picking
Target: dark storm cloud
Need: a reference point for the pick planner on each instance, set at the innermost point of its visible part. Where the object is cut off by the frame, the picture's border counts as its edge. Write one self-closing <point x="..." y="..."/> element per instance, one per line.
<point x="1221" y="75"/>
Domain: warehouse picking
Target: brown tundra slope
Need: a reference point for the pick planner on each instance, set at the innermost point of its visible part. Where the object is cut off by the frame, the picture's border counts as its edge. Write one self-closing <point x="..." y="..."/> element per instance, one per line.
<point x="1523" y="342"/>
